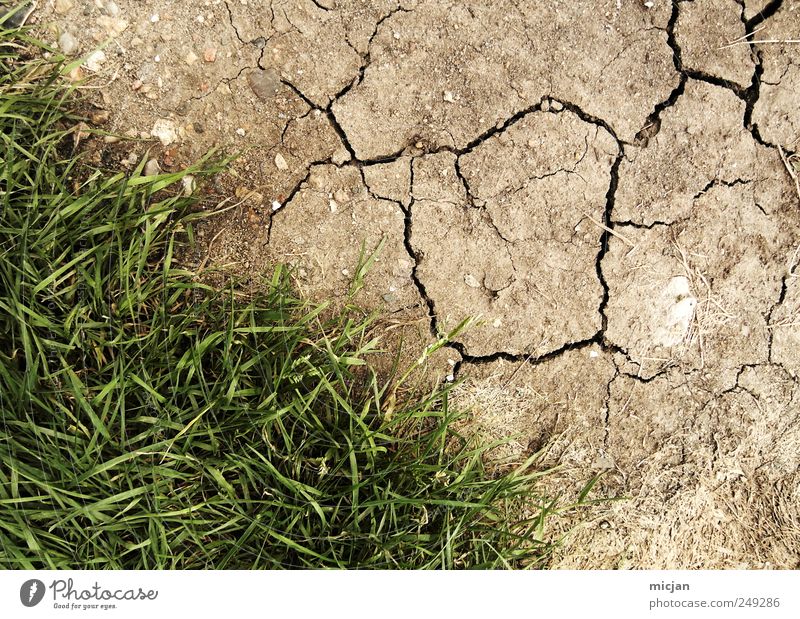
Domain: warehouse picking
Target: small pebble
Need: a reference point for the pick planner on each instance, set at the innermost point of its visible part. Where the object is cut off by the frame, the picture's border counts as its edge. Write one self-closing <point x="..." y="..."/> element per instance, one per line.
<point x="189" y="185"/>
<point x="241" y="132"/>
<point x="100" y="117"/>
<point x="340" y="156"/>
<point x="264" y="84"/>
<point x="276" y="205"/>
<point x="333" y="206"/>
<point x="62" y="7"/>
<point x="556" y="106"/>
<point x="448" y="97"/>
<point x="154" y="18"/>
<point x="112" y="9"/>
<point x="164" y="130"/>
<point x="151" y="168"/>
<point x="112" y="25"/>
<point x="470" y="281"/>
<point x="95" y="60"/>
<point x="190" y="58"/>
<point x="67" y="43"/>
<point x="280" y="162"/>
<point x="210" y="54"/>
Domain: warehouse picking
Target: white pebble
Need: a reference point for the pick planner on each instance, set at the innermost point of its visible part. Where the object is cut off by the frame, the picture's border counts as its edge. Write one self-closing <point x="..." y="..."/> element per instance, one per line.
<point x="164" y="130"/>
<point x="95" y="60"/>
<point x="280" y="162"/>
<point x="154" y="18"/>
<point x="189" y="184"/>
<point x="276" y="205"/>
<point x="67" y="43"/>
<point x="241" y="132"/>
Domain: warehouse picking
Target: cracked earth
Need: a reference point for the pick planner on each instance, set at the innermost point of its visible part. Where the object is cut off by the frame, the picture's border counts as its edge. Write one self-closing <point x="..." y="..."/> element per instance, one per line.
<point x="607" y="185"/>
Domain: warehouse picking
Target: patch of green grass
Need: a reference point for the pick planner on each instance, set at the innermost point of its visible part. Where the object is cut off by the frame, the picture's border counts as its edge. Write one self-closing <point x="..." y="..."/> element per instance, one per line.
<point x="150" y="421"/>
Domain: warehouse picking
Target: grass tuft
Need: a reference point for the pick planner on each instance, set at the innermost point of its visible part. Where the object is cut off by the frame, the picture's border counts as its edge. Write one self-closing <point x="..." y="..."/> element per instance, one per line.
<point x="150" y="421"/>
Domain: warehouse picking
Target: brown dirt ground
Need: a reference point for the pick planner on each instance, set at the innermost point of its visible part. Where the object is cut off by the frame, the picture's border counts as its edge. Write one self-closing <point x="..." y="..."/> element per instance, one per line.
<point x="606" y="184"/>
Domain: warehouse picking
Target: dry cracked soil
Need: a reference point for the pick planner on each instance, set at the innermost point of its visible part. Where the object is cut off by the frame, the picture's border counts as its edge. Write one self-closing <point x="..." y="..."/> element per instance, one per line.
<point x="608" y="185"/>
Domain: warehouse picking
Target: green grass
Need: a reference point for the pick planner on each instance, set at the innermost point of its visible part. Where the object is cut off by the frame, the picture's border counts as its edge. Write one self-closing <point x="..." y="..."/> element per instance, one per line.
<point x="150" y="421"/>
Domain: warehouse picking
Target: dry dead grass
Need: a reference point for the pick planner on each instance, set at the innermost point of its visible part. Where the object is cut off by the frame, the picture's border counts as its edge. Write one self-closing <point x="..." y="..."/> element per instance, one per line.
<point x="731" y="503"/>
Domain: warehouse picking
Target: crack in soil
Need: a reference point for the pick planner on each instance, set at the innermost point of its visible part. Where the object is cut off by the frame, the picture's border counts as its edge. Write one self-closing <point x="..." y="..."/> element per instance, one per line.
<point x="652" y="127"/>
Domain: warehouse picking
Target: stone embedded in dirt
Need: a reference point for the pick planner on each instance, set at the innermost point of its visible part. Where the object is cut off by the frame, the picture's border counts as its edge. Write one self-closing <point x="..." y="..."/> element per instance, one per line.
<point x="524" y="233"/>
<point x="165" y="131"/>
<point x="151" y="168"/>
<point x="67" y="43"/>
<point x="113" y="26"/>
<point x="189" y="185"/>
<point x="190" y="58"/>
<point x="264" y="83"/>
<point x="100" y="117"/>
<point x="614" y="65"/>
<point x="470" y="281"/>
<point x="62" y="7"/>
<point x="95" y="61"/>
<point x="210" y="54"/>
<point x="777" y="112"/>
<point x="112" y="9"/>
<point x="703" y="29"/>
<point x="280" y="162"/>
<point x="340" y="156"/>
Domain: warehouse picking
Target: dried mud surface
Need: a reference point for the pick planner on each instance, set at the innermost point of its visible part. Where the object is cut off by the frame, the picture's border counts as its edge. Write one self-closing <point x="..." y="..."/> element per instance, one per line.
<point x="605" y="184"/>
